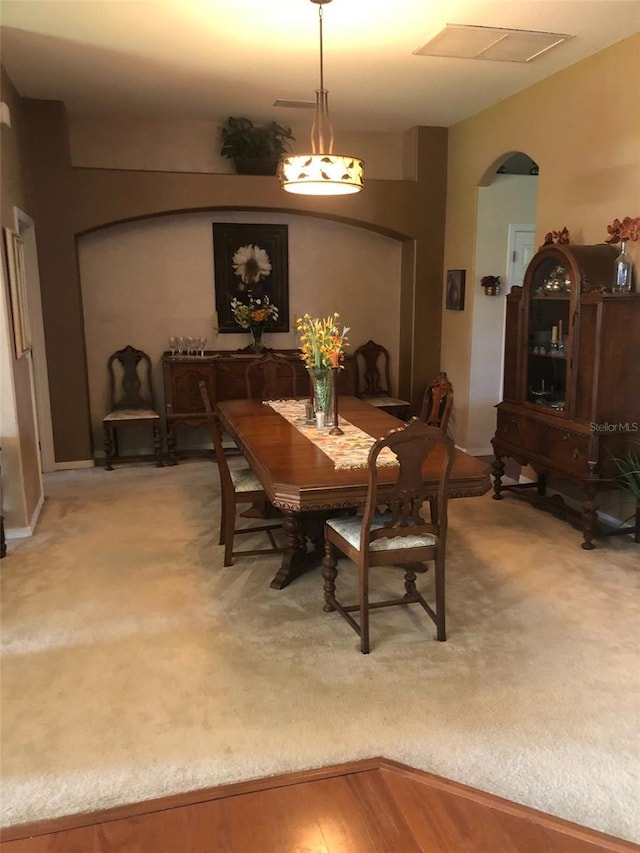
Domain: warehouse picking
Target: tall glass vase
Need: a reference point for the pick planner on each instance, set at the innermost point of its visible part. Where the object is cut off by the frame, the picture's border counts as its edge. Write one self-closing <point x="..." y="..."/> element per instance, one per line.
<point x="256" y="338"/>
<point x="322" y="386"/>
<point x="623" y="271"/>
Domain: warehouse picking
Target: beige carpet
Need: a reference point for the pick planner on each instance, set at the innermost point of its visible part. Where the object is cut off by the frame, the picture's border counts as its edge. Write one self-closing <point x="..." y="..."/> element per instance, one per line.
<point x="135" y="665"/>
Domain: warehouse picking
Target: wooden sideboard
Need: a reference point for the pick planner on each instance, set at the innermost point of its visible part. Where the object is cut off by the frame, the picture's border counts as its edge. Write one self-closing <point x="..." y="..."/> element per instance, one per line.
<point x="224" y="373"/>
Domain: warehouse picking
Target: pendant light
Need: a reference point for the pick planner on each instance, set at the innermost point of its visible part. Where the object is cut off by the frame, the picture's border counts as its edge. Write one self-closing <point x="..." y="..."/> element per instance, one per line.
<point x="321" y="172"/>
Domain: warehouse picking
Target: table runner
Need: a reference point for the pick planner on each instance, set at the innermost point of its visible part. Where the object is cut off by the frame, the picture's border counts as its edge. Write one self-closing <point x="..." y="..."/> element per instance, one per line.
<point x="350" y="450"/>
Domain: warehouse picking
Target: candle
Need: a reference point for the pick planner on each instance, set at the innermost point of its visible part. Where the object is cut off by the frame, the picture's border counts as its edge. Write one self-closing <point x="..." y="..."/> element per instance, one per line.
<point x="560" y="331"/>
<point x="554" y="334"/>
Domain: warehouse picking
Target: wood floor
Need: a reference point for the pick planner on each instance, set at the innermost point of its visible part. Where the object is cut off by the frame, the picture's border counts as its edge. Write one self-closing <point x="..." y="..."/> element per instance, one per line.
<point x="370" y="806"/>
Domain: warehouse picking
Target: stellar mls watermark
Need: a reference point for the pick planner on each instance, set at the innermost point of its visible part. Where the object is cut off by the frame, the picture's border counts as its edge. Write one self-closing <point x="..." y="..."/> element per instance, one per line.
<point x="622" y="426"/>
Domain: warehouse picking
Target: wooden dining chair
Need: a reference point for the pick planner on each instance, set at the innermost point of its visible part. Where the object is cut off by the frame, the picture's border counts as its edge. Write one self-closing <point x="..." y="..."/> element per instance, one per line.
<point x="373" y="380"/>
<point x="398" y="539"/>
<point x="437" y="402"/>
<point x="237" y="486"/>
<point x="131" y="402"/>
<point x="271" y="377"/>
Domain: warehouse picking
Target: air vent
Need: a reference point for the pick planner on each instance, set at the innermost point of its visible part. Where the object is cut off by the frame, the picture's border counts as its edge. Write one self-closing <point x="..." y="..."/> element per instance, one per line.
<point x="295" y="105"/>
<point x="493" y="43"/>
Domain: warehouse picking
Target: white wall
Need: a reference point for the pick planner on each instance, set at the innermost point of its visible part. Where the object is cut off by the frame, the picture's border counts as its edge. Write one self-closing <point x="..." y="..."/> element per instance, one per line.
<point x="145" y="281"/>
<point x="509" y="199"/>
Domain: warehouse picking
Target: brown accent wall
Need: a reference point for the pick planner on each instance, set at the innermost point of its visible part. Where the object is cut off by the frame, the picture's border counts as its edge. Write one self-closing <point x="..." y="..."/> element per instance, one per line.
<point x="71" y="201"/>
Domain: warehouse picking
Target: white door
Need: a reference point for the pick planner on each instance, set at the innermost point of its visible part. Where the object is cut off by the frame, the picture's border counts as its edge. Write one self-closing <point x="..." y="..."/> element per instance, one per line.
<point x="521" y="250"/>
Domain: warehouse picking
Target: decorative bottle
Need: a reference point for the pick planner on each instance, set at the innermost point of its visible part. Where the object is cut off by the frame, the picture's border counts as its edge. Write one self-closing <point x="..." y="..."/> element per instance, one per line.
<point x="623" y="271"/>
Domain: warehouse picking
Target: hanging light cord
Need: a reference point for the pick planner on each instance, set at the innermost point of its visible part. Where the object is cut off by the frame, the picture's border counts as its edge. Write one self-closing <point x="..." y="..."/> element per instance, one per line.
<point x="321" y="125"/>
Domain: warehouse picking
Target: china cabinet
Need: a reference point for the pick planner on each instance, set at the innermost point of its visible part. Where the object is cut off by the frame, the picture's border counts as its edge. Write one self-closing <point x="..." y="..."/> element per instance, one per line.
<point x="571" y="396"/>
<point x="224" y="373"/>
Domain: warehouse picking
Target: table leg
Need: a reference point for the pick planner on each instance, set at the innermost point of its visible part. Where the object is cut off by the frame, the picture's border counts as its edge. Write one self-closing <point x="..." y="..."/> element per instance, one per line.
<point x="293" y="561"/>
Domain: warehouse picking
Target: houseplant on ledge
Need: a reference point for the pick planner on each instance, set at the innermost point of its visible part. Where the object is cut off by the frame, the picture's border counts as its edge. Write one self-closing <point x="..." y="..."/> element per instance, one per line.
<point x="255" y="149"/>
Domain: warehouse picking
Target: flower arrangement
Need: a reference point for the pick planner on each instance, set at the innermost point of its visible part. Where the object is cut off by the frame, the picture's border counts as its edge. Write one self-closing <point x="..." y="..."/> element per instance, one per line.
<point x="251" y="264"/>
<point x="628" y="229"/>
<point x="254" y="312"/>
<point x="321" y="340"/>
<point x="491" y="284"/>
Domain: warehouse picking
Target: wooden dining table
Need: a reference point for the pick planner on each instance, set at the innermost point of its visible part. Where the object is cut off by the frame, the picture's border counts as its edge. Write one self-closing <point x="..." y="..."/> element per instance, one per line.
<point x="302" y="481"/>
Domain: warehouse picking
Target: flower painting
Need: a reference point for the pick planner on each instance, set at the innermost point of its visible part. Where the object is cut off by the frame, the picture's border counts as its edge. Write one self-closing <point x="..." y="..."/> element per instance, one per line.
<point x="251" y="272"/>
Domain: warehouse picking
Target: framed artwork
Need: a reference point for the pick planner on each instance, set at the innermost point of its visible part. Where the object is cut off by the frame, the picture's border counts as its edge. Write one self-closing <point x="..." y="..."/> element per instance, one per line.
<point x="250" y="260"/>
<point x="455" y="290"/>
<point x="18" y="290"/>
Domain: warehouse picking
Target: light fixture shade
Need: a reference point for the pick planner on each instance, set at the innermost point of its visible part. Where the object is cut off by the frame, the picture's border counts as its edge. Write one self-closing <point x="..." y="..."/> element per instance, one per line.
<point x="321" y="174"/>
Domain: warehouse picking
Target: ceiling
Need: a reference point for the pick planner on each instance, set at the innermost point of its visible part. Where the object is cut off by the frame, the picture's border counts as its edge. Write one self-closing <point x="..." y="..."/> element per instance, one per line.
<point x="207" y="59"/>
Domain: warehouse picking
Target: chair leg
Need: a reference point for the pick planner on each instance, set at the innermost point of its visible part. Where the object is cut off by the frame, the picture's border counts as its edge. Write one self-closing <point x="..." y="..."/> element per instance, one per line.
<point x="108" y="448"/>
<point x="223" y="519"/>
<point x="329" y="573"/>
<point x="410" y="584"/>
<point x="363" y="584"/>
<point x="441" y="633"/>
<point x="229" y="524"/>
<point x="157" y="446"/>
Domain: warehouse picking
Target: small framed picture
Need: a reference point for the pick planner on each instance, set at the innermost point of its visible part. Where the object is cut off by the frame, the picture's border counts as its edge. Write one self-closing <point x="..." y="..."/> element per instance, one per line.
<point x="455" y="290"/>
<point x="18" y="289"/>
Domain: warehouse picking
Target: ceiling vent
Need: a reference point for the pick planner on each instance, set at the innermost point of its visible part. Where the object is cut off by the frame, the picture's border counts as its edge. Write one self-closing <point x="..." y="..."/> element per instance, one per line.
<point x="494" y="43"/>
<point x="294" y="105"/>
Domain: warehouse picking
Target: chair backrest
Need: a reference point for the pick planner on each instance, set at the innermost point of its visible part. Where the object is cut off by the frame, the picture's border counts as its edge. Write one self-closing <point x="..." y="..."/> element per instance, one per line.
<point x="437" y="402"/>
<point x="412" y="444"/>
<point x="216" y="437"/>
<point x="271" y="377"/>
<point x="373" y="378"/>
<point x="130" y="385"/>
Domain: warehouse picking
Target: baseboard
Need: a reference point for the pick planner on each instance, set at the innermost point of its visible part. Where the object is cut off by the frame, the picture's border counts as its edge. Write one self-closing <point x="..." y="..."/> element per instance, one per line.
<point x="25" y="532"/>
<point x="71" y="466"/>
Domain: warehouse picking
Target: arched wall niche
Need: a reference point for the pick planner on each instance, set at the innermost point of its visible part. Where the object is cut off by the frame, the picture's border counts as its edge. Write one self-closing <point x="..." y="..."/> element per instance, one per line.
<point x="144" y="279"/>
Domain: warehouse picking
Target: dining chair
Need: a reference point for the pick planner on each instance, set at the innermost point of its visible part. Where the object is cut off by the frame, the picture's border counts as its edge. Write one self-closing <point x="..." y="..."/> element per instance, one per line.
<point x="271" y="377"/>
<point x="131" y="401"/>
<point x="373" y="379"/>
<point x="398" y="539"/>
<point x="237" y="486"/>
<point x="437" y="402"/>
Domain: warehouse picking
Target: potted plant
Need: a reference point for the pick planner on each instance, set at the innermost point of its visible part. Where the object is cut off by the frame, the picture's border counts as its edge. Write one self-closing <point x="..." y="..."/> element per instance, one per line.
<point x="491" y="284"/>
<point x="255" y="149"/>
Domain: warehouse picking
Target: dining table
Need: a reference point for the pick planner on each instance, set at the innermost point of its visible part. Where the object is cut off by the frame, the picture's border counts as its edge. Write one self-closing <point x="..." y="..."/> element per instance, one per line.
<point x="309" y="474"/>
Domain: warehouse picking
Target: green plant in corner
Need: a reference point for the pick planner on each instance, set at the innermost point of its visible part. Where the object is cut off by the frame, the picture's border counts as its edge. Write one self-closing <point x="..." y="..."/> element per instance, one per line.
<point x="255" y="149"/>
<point x="628" y="466"/>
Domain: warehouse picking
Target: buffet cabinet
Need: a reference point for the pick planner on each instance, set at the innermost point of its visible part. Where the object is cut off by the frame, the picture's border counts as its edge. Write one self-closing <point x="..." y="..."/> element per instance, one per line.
<point x="571" y="396"/>
<point x="224" y="373"/>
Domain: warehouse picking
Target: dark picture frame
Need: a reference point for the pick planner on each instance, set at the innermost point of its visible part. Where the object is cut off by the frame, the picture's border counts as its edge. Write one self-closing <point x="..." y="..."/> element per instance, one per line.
<point x="228" y="238"/>
<point x="455" y="290"/>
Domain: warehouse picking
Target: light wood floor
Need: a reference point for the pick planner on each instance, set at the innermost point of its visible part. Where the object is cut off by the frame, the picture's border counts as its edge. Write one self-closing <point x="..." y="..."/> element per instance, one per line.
<point x="371" y="806"/>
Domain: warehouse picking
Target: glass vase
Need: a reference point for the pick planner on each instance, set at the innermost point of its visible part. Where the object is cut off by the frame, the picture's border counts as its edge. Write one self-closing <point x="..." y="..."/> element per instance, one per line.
<point x="256" y="338"/>
<point x="623" y="271"/>
<point x="322" y="387"/>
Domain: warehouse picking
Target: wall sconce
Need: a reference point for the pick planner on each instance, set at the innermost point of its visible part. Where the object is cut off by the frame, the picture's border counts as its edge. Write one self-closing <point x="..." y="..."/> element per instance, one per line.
<point x="491" y="284"/>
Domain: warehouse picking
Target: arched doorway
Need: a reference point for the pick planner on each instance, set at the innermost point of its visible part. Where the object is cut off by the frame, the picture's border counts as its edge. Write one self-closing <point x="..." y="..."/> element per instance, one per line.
<point x="505" y="223"/>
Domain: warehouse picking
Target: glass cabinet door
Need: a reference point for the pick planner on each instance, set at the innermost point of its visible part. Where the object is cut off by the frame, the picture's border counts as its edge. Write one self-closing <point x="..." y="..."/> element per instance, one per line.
<point x="548" y="340"/>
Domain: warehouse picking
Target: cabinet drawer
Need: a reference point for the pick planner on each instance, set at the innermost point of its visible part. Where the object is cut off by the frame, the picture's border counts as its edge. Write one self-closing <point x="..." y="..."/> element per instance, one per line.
<point x="556" y="448"/>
